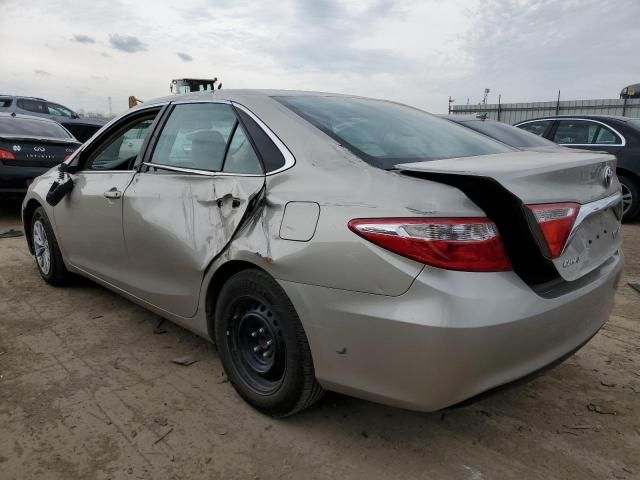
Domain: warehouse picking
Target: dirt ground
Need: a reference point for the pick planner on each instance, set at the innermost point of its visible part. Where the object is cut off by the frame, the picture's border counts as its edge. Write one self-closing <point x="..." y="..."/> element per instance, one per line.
<point x="87" y="390"/>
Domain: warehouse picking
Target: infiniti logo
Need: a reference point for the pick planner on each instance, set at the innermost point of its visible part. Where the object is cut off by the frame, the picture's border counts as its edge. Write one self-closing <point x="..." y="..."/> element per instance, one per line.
<point x="607" y="176"/>
<point x="39" y="149"/>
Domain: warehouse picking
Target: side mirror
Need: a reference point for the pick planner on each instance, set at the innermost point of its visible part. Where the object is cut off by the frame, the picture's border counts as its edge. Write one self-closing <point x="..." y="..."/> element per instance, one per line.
<point x="74" y="115"/>
<point x="60" y="187"/>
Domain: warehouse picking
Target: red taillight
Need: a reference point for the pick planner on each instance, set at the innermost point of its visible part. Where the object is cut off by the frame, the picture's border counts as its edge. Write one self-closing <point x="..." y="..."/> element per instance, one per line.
<point x="467" y="244"/>
<point x="6" y="155"/>
<point x="556" y="221"/>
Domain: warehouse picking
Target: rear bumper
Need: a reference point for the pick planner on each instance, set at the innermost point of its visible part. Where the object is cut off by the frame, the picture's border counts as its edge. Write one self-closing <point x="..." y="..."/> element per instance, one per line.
<point x="17" y="179"/>
<point x="451" y="336"/>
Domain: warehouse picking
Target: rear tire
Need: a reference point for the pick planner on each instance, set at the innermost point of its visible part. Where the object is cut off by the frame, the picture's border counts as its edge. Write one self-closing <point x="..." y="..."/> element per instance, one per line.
<point x="47" y="253"/>
<point x="262" y="345"/>
<point x="630" y="198"/>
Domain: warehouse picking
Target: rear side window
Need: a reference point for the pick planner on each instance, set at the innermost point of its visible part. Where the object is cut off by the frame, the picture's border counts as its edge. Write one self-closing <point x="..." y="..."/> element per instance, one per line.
<point x="5" y="102"/>
<point x="32" y="127"/>
<point x="537" y="128"/>
<point x="241" y="158"/>
<point x="606" y="136"/>
<point x="34" y="106"/>
<point x="386" y="134"/>
<point x="271" y="155"/>
<point x="206" y="136"/>
<point x="576" y="132"/>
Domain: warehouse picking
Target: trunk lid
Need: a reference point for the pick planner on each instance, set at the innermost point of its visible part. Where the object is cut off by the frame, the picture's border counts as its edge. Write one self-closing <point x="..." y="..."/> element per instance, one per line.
<point x="36" y="151"/>
<point x="504" y="184"/>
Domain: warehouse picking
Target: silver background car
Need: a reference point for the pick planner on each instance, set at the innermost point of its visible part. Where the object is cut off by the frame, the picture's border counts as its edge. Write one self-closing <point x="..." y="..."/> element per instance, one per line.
<point x="335" y="242"/>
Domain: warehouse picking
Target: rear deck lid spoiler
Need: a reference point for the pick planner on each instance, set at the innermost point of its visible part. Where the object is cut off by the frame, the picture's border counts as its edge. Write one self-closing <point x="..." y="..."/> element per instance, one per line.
<point x="534" y="177"/>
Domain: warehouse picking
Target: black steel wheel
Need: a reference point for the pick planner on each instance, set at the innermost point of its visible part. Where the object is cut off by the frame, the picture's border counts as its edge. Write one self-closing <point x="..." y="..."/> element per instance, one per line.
<point x="262" y="345"/>
<point x="257" y="347"/>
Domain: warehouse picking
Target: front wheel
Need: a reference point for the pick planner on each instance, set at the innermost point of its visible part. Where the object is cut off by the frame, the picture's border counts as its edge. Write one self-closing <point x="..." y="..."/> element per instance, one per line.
<point x="262" y="345"/>
<point x="630" y="198"/>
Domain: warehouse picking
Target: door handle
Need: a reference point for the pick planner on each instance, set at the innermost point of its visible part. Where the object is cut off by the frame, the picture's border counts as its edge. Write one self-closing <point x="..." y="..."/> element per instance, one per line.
<point x="113" y="193"/>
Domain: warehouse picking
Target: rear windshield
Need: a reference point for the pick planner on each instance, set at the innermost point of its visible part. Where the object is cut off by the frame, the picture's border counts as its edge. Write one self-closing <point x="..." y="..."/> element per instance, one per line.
<point x="513" y="136"/>
<point x="32" y="128"/>
<point x="385" y="134"/>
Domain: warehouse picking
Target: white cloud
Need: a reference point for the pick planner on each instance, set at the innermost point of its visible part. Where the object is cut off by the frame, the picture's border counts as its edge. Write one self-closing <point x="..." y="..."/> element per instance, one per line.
<point x="410" y="51"/>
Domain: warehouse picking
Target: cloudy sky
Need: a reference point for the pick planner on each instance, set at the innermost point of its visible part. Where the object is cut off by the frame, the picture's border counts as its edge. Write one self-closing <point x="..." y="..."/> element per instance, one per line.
<point x="79" y="53"/>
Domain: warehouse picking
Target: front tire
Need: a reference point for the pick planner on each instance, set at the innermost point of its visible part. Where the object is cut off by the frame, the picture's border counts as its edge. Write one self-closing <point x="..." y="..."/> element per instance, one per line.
<point x="262" y="345"/>
<point x="630" y="198"/>
<point x="47" y="253"/>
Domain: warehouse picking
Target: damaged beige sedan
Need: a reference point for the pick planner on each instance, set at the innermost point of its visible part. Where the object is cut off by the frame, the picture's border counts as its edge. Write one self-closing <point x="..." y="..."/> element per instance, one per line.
<point x="336" y="242"/>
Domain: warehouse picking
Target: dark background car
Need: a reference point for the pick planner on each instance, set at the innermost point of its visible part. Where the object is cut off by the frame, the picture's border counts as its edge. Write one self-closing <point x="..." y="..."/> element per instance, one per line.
<point x="29" y="146"/>
<point x="612" y="134"/>
<point x="505" y="133"/>
<point x="81" y="127"/>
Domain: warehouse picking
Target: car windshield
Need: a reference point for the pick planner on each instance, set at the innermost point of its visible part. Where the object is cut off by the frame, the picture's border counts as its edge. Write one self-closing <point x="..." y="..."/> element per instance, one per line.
<point x="386" y="134"/>
<point x="32" y="128"/>
<point x="512" y="136"/>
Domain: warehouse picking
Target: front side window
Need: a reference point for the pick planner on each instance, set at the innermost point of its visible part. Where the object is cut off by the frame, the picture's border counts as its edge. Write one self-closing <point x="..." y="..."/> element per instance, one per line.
<point x="119" y="152"/>
<point x="386" y="134"/>
<point x="206" y="136"/>
<point x="575" y="132"/>
<point x="537" y="128"/>
<point x="59" y="110"/>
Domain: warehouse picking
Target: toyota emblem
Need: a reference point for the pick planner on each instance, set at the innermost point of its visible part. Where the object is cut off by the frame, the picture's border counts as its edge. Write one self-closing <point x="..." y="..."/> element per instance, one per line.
<point x="607" y="177"/>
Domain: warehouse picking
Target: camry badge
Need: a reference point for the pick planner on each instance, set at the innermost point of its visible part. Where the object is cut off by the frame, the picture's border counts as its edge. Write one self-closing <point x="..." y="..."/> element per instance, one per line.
<point x="607" y="176"/>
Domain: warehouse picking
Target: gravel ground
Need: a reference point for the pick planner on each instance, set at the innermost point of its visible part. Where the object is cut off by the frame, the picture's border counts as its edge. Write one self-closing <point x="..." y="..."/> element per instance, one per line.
<point x="87" y="390"/>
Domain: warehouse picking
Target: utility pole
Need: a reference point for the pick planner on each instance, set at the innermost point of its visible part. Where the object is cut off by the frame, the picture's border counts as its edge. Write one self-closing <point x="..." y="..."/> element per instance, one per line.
<point x="451" y="101"/>
<point x="486" y="94"/>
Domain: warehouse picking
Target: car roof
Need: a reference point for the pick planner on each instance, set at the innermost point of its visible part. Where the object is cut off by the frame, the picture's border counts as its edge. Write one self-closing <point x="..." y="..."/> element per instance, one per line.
<point x="27" y="117"/>
<point x="618" y="118"/>
<point x="241" y="94"/>
<point x="465" y="118"/>
<point x="26" y="97"/>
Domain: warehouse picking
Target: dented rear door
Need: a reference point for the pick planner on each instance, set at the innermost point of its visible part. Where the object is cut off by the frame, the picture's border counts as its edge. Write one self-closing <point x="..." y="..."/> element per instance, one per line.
<point x="186" y="204"/>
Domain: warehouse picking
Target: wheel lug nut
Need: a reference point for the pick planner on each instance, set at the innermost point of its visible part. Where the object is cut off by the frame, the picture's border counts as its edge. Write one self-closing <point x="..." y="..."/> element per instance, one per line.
<point x="261" y="330"/>
<point x="256" y="349"/>
<point x="254" y="334"/>
<point x="269" y="342"/>
<point x="265" y="354"/>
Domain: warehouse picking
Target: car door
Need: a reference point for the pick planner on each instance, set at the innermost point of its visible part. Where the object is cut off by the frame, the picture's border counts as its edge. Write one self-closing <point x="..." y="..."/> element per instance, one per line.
<point x="89" y="219"/>
<point x="186" y="203"/>
<point x="587" y="135"/>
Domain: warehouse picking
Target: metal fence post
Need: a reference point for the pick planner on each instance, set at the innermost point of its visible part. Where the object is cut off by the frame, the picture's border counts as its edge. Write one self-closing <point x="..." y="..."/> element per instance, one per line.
<point x="558" y="104"/>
